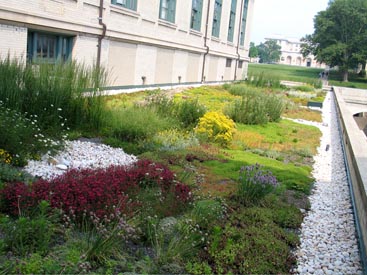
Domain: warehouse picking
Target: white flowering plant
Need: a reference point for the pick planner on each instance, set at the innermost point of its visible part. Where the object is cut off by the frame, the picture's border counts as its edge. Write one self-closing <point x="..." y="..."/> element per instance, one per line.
<point x="22" y="138"/>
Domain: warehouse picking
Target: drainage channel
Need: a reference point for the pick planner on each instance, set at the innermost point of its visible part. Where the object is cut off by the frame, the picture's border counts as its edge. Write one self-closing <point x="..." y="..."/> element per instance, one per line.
<point x="329" y="243"/>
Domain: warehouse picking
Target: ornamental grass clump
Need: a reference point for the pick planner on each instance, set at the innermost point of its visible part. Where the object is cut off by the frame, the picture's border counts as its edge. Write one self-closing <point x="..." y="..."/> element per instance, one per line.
<point x="216" y="127"/>
<point x="43" y="89"/>
<point x="254" y="184"/>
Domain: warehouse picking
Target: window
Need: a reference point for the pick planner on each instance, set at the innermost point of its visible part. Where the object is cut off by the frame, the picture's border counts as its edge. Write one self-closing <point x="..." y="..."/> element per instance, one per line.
<point x="49" y="48"/>
<point x="129" y="4"/>
<point x="232" y="19"/>
<point x="243" y="25"/>
<point x="240" y="64"/>
<point x="216" y="17"/>
<point x="167" y="10"/>
<point x="228" y="62"/>
<point x="196" y="14"/>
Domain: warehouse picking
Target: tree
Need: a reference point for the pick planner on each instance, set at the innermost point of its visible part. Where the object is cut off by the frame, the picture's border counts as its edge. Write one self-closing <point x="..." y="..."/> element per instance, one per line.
<point x="269" y="51"/>
<point x="340" y="35"/>
<point x="253" y="50"/>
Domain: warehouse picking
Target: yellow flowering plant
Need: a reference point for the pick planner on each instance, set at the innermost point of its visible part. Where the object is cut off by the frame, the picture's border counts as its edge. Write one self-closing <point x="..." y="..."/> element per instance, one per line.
<point x="216" y="127"/>
<point x="5" y="157"/>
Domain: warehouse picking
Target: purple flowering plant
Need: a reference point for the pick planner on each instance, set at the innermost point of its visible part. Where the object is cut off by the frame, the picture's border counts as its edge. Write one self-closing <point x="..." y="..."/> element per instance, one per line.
<point x="254" y="184"/>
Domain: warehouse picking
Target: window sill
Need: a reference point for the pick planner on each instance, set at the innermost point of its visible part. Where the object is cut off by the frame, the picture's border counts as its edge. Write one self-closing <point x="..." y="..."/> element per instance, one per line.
<point x="195" y="32"/>
<point x="215" y="39"/>
<point x="167" y="24"/>
<point x="230" y="44"/>
<point x="124" y="11"/>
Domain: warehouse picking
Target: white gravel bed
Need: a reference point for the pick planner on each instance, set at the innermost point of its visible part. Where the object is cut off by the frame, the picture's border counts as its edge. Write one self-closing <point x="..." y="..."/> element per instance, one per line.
<point x="328" y="235"/>
<point x="79" y="154"/>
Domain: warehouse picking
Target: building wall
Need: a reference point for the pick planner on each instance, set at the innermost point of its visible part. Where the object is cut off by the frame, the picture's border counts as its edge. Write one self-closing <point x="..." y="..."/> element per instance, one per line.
<point x="13" y="41"/>
<point x="137" y="45"/>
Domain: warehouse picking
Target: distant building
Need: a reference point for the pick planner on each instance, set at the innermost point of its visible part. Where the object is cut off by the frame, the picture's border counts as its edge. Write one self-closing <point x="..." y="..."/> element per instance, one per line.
<point x="142" y="42"/>
<point x="291" y="53"/>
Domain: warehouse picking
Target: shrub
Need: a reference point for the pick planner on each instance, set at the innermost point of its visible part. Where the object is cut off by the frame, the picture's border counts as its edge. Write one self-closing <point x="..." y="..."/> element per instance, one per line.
<point x="254" y="107"/>
<point x="274" y="107"/>
<point x="215" y="127"/>
<point x="251" y="109"/>
<point x="22" y="138"/>
<point x="188" y="112"/>
<point x="254" y="184"/>
<point x="100" y="191"/>
<point x="44" y="90"/>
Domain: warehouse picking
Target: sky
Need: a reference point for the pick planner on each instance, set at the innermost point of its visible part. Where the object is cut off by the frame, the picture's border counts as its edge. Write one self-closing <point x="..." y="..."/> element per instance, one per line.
<point x="288" y="18"/>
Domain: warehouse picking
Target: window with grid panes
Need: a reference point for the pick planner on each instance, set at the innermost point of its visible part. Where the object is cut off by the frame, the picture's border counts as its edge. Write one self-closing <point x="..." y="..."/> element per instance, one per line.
<point x="48" y="48"/>
<point x="129" y="4"/>
<point x="232" y="19"/>
<point x="228" y="62"/>
<point x="167" y="10"/>
<point x="243" y="24"/>
<point x="216" y="18"/>
<point x="196" y="14"/>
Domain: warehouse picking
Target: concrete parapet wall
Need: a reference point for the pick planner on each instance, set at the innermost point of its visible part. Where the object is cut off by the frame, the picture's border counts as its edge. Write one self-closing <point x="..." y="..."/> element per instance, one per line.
<point x="355" y="144"/>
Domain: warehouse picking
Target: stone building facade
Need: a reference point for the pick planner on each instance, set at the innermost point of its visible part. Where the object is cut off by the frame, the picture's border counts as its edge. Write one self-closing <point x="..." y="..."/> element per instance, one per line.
<point x="140" y="42"/>
<point x="291" y="53"/>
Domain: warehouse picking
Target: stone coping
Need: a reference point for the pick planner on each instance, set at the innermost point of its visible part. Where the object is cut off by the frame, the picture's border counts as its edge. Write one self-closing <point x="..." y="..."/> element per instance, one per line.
<point x="355" y="143"/>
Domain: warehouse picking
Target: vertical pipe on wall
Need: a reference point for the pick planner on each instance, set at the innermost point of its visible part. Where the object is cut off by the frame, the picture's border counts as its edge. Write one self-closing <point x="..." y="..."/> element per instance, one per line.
<point x="205" y="42"/>
<point x="100" y="37"/>
<point x="238" y="40"/>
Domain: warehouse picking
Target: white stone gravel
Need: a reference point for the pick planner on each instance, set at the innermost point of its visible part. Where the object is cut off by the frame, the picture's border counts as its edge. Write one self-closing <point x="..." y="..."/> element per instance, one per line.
<point x="328" y="235"/>
<point x="78" y="155"/>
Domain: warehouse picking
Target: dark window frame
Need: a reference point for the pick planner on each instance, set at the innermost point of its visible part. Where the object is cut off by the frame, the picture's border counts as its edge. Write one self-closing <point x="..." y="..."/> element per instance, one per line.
<point x="167" y="10"/>
<point x="45" y="47"/>
<point x="232" y="21"/>
<point x="127" y="4"/>
<point x="217" y="18"/>
<point x="196" y="14"/>
<point x="243" y="24"/>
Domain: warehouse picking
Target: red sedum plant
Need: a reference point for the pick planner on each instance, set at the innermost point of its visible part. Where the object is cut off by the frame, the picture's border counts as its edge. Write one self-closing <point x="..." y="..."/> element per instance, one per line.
<point x="101" y="191"/>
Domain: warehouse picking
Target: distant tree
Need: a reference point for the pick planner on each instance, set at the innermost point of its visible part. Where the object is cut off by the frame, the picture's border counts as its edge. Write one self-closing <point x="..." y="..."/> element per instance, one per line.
<point x="253" y="50"/>
<point x="340" y="35"/>
<point x="269" y="51"/>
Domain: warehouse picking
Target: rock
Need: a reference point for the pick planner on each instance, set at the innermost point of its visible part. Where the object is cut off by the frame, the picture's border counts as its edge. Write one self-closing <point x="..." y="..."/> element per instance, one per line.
<point x="78" y="154"/>
<point x="327" y="238"/>
<point x="61" y="166"/>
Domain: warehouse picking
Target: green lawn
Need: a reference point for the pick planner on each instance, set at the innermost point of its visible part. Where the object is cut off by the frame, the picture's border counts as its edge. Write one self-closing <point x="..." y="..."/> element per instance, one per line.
<point x="286" y="72"/>
<point x="306" y="75"/>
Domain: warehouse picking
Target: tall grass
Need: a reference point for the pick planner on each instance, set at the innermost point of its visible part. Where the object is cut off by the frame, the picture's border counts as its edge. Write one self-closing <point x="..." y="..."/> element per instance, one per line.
<point x="55" y="93"/>
<point x="264" y="80"/>
<point x="137" y="123"/>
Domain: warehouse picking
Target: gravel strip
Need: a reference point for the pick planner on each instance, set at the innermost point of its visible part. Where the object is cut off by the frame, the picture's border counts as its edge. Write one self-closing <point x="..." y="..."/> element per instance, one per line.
<point x="328" y="235"/>
<point x="79" y="155"/>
